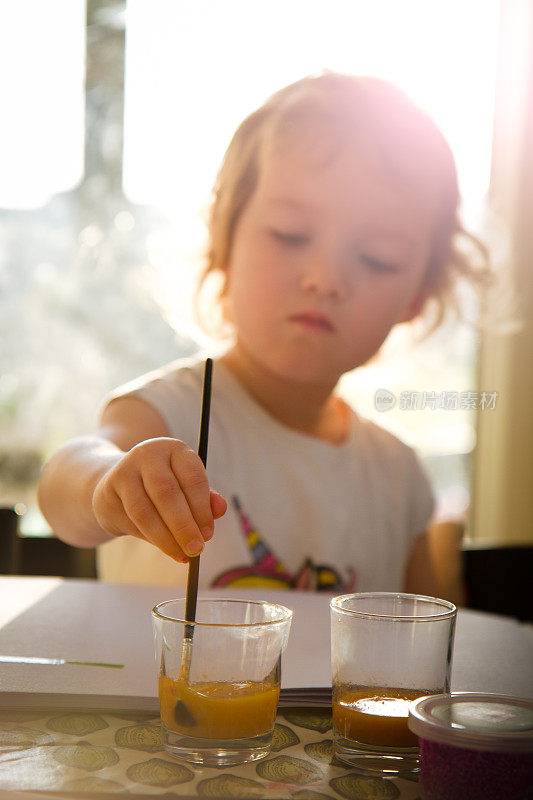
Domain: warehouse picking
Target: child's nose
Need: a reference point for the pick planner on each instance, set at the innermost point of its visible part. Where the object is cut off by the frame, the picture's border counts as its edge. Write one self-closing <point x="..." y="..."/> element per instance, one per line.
<point x="324" y="275"/>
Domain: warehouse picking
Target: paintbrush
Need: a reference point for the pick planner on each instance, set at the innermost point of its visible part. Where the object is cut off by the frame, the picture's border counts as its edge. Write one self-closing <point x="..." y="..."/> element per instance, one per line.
<point x="181" y="713"/>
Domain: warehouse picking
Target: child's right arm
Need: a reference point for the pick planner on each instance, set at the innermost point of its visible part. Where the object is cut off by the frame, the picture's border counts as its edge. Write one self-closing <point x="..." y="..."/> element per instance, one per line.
<point x="130" y="478"/>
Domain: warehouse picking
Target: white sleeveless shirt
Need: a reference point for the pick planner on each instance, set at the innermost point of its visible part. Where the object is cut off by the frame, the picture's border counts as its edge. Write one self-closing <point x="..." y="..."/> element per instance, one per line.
<point x="302" y="512"/>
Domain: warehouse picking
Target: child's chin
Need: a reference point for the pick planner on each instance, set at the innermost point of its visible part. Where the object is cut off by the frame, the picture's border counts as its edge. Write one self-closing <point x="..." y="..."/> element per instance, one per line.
<point x="306" y="370"/>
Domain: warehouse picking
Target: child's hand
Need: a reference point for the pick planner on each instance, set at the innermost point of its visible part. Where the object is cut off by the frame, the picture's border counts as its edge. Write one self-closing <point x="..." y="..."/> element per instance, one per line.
<point x="159" y="491"/>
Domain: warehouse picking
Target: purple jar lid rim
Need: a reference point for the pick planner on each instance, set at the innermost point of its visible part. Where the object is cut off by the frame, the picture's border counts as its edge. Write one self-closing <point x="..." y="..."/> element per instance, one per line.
<point x="426" y="726"/>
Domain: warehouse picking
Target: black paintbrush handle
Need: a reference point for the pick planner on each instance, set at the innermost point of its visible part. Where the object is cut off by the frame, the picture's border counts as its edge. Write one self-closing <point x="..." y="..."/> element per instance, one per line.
<point x="194" y="563"/>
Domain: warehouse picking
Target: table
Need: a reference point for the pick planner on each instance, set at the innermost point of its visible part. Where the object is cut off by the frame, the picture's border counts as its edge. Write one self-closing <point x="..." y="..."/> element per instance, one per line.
<point x="88" y="620"/>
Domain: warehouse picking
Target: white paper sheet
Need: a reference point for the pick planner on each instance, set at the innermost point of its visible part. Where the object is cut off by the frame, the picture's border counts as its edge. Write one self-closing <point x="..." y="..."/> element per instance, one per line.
<point x="92" y="621"/>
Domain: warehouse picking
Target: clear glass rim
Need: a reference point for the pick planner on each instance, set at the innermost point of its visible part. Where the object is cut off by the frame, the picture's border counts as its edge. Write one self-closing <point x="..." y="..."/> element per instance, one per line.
<point x="285" y="614"/>
<point x="449" y="609"/>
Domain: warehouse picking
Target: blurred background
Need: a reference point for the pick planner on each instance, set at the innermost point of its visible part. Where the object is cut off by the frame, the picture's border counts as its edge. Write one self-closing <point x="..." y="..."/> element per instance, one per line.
<point x="115" y="118"/>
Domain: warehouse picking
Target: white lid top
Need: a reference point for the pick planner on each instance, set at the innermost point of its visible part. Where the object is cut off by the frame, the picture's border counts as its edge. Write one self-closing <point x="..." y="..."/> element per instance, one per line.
<point x="475" y="721"/>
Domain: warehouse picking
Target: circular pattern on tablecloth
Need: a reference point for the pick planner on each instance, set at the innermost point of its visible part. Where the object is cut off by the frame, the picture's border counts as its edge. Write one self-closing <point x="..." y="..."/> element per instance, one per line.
<point x="123" y="751"/>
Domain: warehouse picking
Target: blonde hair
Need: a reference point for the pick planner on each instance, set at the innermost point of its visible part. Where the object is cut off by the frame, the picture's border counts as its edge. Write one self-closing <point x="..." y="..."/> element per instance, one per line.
<point x="344" y="107"/>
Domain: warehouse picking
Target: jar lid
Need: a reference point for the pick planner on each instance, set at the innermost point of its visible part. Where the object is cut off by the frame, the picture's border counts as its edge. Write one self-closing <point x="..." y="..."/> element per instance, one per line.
<point x="475" y="721"/>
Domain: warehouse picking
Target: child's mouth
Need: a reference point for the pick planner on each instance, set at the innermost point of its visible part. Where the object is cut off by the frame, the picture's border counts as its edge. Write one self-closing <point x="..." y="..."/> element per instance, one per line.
<point x="313" y="321"/>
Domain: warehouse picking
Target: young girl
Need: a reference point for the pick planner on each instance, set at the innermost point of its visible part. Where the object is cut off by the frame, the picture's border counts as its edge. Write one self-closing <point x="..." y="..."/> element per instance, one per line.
<point x="334" y="219"/>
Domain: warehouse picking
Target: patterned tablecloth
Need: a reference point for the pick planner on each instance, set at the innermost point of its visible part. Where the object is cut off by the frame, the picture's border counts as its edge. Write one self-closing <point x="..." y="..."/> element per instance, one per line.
<point x="88" y="753"/>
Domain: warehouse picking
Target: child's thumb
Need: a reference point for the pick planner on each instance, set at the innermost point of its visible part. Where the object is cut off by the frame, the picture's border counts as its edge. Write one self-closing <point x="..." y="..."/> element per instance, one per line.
<point x="218" y="504"/>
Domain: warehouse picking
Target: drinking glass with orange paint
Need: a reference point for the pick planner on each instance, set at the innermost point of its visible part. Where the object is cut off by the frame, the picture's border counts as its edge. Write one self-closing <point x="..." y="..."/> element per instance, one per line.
<point x="219" y="678"/>
<point x="386" y="650"/>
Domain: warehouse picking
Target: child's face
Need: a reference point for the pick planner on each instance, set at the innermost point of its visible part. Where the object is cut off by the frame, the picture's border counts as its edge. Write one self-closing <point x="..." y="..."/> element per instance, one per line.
<point x="327" y="256"/>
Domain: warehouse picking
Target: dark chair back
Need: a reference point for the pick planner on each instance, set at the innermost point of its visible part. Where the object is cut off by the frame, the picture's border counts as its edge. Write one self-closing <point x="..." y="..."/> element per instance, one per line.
<point x="40" y="555"/>
<point x="9" y="540"/>
<point x="499" y="578"/>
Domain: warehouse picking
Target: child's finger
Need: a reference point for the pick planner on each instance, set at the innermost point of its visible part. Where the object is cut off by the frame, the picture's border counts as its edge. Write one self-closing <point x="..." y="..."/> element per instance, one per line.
<point x="112" y="516"/>
<point x="193" y="482"/>
<point x="141" y="513"/>
<point x="172" y="507"/>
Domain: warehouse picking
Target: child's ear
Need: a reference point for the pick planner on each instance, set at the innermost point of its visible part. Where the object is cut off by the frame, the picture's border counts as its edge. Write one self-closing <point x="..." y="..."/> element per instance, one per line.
<point x="225" y="303"/>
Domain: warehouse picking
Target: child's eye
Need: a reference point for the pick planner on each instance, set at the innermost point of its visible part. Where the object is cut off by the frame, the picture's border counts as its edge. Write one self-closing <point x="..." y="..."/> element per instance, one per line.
<point x="378" y="266"/>
<point x="287" y="237"/>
